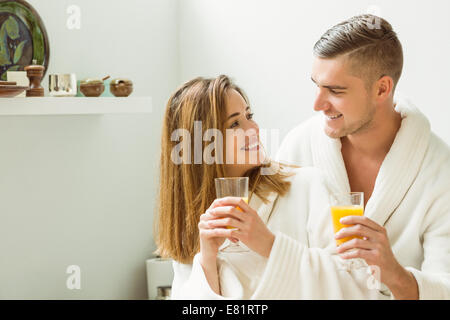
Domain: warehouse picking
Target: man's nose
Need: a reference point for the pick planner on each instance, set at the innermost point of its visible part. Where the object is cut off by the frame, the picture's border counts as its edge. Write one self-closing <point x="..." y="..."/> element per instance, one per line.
<point x="321" y="103"/>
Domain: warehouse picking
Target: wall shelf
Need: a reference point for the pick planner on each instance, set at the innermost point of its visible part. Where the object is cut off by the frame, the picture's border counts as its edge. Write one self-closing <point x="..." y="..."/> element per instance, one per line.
<point x="74" y="106"/>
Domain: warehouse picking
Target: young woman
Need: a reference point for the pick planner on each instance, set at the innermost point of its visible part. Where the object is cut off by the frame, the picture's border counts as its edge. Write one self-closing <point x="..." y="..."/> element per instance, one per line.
<point x="287" y="213"/>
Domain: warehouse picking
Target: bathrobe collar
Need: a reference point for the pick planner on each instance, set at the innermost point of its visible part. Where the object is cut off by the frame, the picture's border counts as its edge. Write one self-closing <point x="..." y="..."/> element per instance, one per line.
<point x="264" y="209"/>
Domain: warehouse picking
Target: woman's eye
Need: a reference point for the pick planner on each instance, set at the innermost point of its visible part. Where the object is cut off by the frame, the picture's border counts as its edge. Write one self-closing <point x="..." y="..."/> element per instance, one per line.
<point x="250" y="116"/>
<point x="234" y="124"/>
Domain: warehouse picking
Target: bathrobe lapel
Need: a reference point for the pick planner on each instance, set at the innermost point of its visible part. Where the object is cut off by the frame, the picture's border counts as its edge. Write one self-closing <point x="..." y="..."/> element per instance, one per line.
<point x="397" y="172"/>
<point x="327" y="156"/>
<point x="264" y="209"/>
<point x="401" y="165"/>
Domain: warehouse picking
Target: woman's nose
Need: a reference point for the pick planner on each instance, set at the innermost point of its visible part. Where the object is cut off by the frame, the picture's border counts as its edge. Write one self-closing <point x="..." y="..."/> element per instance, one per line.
<point x="253" y="126"/>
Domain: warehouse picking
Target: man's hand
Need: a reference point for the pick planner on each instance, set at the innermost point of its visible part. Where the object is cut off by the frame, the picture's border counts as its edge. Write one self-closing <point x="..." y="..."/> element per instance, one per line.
<point x="374" y="247"/>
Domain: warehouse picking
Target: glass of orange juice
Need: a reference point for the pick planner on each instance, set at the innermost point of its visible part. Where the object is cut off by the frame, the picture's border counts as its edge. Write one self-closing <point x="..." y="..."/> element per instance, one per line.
<point x="232" y="187"/>
<point x="346" y="204"/>
<point x="343" y="205"/>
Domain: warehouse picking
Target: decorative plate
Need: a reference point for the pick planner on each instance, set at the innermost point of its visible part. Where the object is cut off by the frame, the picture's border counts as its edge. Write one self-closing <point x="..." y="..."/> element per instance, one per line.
<point x="11" y="91"/>
<point x="23" y="37"/>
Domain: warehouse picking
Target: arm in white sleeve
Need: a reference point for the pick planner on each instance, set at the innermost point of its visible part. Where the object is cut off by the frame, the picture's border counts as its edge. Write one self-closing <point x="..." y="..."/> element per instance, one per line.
<point x="190" y="282"/>
<point x="294" y="271"/>
<point x="433" y="279"/>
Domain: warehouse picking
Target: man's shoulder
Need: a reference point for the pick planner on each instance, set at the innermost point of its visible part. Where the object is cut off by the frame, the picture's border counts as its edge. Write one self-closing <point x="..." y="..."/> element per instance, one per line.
<point x="440" y="145"/>
<point x="438" y="154"/>
<point x="307" y="178"/>
<point x="435" y="171"/>
<point x="296" y="146"/>
<point x="305" y="128"/>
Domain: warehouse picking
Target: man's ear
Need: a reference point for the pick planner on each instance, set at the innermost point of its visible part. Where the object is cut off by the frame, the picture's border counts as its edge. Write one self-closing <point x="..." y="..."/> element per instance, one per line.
<point x="384" y="88"/>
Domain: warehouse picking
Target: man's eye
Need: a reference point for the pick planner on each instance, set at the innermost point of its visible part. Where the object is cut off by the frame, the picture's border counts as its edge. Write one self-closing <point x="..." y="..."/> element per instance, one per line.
<point x="336" y="92"/>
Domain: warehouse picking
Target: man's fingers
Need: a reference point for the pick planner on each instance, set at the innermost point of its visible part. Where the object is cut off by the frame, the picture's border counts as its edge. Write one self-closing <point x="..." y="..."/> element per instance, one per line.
<point x="358" y="230"/>
<point x="357" y="253"/>
<point x="350" y="220"/>
<point x="354" y="244"/>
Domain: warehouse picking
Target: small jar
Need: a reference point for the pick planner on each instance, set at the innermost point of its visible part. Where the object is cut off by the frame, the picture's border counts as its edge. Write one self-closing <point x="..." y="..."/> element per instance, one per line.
<point x="121" y="87"/>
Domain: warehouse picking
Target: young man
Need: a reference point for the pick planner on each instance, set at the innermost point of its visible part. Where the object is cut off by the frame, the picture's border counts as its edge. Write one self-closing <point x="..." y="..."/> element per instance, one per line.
<point x="368" y="140"/>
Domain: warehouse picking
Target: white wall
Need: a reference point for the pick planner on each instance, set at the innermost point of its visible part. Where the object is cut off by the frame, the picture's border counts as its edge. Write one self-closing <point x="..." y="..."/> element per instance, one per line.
<point x="266" y="46"/>
<point x="80" y="190"/>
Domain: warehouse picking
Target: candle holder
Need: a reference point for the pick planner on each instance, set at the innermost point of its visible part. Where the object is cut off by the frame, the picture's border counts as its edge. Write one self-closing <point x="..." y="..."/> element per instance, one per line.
<point x="35" y="73"/>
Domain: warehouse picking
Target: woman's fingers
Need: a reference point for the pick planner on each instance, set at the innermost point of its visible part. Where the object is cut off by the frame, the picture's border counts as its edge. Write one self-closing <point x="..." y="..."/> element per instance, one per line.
<point x="234" y="202"/>
<point x="206" y="216"/>
<point x="225" y="222"/>
<point x="208" y="221"/>
<point x="221" y="212"/>
<point x="217" y="232"/>
<point x="221" y="223"/>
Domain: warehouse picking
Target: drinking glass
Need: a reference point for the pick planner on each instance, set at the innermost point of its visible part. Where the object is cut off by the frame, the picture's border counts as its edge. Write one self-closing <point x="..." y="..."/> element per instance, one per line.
<point x="232" y="187"/>
<point x="343" y="205"/>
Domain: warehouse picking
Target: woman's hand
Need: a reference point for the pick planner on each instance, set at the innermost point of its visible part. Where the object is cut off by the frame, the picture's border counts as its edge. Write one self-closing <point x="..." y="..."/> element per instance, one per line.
<point x="250" y="229"/>
<point x="211" y="238"/>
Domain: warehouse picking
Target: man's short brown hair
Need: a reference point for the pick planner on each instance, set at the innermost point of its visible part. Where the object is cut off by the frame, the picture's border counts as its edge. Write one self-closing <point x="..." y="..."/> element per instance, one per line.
<point x="370" y="44"/>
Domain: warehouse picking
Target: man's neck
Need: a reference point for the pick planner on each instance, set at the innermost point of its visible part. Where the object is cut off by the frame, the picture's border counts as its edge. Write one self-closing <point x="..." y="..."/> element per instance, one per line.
<point x="375" y="141"/>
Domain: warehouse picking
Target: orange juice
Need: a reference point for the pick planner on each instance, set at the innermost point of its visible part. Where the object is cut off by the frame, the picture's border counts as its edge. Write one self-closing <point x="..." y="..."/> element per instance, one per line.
<point x="246" y="201"/>
<point x="338" y="212"/>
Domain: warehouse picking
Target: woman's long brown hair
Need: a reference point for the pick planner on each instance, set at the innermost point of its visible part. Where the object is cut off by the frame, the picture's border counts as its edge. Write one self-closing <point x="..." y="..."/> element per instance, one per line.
<point x="187" y="190"/>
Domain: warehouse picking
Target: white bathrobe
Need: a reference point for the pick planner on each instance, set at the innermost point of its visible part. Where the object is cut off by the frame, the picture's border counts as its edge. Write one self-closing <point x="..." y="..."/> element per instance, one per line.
<point x="411" y="197"/>
<point x="302" y="263"/>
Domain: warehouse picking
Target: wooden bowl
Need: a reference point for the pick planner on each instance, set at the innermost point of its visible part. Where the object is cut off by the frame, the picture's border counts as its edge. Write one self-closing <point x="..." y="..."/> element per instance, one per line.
<point x="121" y="87"/>
<point x="92" y="90"/>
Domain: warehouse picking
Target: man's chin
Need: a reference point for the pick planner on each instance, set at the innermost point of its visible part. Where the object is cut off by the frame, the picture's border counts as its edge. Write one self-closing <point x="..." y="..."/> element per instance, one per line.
<point x="334" y="134"/>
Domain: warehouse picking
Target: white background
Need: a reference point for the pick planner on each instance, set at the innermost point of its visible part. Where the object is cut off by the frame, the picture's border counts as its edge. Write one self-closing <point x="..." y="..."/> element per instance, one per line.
<point x="266" y="46"/>
<point x="81" y="189"/>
